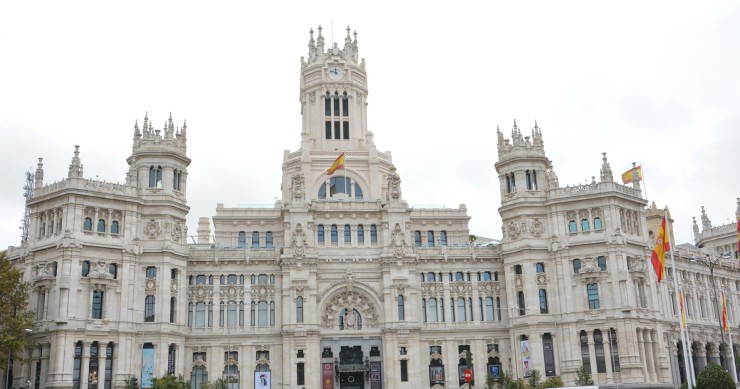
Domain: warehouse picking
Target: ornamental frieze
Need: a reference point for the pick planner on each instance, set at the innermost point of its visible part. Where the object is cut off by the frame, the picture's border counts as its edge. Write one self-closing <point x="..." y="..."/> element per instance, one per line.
<point x="461" y="288"/>
<point x="200" y="293"/>
<point x="349" y="301"/>
<point x="262" y="292"/>
<point x="432" y="289"/>
<point x="541" y="278"/>
<point x="232" y="292"/>
<point x="488" y="288"/>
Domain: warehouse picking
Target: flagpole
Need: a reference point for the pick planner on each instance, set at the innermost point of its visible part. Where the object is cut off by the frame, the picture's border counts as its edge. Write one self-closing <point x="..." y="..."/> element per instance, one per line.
<point x="686" y="328"/>
<point x="643" y="180"/>
<point x="684" y="335"/>
<point x="729" y="335"/>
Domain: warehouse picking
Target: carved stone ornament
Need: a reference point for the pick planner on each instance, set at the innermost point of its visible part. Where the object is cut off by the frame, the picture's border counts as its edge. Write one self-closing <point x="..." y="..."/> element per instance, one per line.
<point x="42" y="272"/>
<point x="435" y="356"/>
<point x="174" y="287"/>
<point x="349" y="301"/>
<point x="433" y="289"/>
<point x="299" y="241"/>
<point x="298" y="185"/>
<point x="635" y="264"/>
<point x="300" y="287"/>
<point x="177" y="231"/>
<point x="151" y="285"/>
<point x="541" y="279"/>
<point x="513" y="230"/>
<point x="461" y="288"/>
<point x="394" y="185"/>
<point x="200" y="293"/>
<point x="262" y="292"/>
<point x="100" y="271"/>
<point x="397" y="241"/>
<point x="152" y="229"/>
<point x="537" y="228"/>
<point x="312" y="97"/>
<point x="232" y="292"/>
<point x="199" y="361"/>
<point x="518" y="281"/>
<point x="488" y="288"/>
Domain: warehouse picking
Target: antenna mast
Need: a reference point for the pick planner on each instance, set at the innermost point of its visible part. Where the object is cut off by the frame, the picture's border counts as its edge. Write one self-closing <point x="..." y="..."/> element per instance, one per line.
<point x="28" y="194"/>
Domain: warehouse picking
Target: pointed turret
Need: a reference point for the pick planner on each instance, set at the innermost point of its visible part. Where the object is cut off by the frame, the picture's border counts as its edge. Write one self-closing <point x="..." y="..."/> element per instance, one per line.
<point x="169" y="131"/>
<point x="737" y="210"/>
<point x="695" y="228"/>
<point x="635" y="176"/>
<point x="606" y="170"/>
<point x="536" y="135"/>
<point x="39" y="174"/>
<point x="75" y="167"/>
<point x="146" y="127"/>
<point x="311" y="45"/>
<point x="552" y="177"/>
<point x="706" y="224"/>
<point x="320" y="41"/>
<point x="137" y="132"/>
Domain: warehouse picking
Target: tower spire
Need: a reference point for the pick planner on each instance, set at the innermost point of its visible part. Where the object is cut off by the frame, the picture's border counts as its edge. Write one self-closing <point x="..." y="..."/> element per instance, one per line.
<point x="606" y="170"/>
<point x="75" y="167"/>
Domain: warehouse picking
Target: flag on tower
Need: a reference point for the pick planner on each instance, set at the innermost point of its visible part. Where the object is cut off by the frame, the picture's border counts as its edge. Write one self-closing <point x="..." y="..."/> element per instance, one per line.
<point x="724" y="312"/>
<point x="338" y="164"/>
<point x="661" y="246"/>
<point x="627" y="176"/>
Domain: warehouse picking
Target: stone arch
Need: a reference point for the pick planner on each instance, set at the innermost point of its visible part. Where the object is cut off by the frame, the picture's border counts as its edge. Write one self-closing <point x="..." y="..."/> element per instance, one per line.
<point x="353" y="174"/>
<point x="351" y="296"/>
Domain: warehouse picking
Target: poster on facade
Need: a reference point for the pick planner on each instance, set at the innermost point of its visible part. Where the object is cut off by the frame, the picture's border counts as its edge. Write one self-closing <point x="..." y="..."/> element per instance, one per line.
<point x="262" y="380"/>
<point x="375" y="382"/>
<point x="327" y="376"/>
<point x="494" y="370"/>
<point x="526" y="362"/>
<point x="437" y="375"/>
<point x="147" y="367"/>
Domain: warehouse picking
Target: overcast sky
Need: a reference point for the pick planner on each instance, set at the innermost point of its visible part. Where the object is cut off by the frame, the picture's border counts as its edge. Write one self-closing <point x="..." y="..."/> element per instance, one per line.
<point x="656" y="83"/>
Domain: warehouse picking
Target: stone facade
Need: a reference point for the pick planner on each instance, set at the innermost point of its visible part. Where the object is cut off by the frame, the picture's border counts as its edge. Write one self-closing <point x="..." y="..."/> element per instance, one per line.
<point x="342" y="283"/>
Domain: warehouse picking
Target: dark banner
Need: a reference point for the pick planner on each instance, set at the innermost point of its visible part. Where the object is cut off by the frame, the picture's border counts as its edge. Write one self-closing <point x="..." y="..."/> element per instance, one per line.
<point x="375" y="376"/>
<point x="327" y="375"/>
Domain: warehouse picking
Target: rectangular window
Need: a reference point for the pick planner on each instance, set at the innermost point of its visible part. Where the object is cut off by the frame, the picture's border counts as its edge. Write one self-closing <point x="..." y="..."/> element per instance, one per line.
<point x="404" y="370"/>
<point x="599" y="350"/>
<point x="151" y="272"/>
<point x="149" y="309"/>
<point x="430" y="238"/>
<point x="593" y="296"/>
<point x="360" y="234"/>
<point x="417" y="238"/>
<point x="373" y="234"/>
<point x="345" y="130"/>
<point x="97" y="304"/>
<point x="334" y="233"/>
<point x="327" y="129"/>
<point x="337" y="130"/>
<point x="262" y="314"/>
<point x="268" y="239"/>
<point x="299" y="309"/>
<point x="200" y="314"/>
<point x="347" y="234"/>
<point x="300" y="374"/>
<point x="255" y="239"/>
<point x="345" y="107"/>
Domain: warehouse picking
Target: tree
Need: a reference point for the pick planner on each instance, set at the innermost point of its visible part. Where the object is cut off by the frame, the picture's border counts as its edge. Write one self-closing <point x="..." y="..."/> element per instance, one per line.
<point x="218" y="384"/>
<point x="713" y="376"/>
<point x="131" y="382"/>
<point x="583" y="377"/>
<point x="469" y="364"/>
<point x="553" y="382"/>
<point x="170" y="382"/>
<point x="534" y="379"/>
<point x="15" y="320"/>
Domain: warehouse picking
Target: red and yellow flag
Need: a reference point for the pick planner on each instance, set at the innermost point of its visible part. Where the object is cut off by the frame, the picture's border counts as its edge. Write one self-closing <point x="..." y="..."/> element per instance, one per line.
<point x="724" y="313"/>
<point x="683" y="313"/>
<point x="338" y="164"/>
<point x="627" y="176"/>
<point x="661" y="246"/>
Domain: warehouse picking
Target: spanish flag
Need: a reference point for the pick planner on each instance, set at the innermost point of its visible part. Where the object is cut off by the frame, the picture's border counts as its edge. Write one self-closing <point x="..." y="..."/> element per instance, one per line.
<point x="661" y="246"/>
<point x="627" y="176"/>
<point x="683" y="313"/>
<point x="724" y="313"/>
<point x="338" y="164"/>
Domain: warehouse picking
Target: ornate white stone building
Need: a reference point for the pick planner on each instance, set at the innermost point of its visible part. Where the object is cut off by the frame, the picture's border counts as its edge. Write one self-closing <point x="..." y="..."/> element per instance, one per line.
<point x="342" y="284"/>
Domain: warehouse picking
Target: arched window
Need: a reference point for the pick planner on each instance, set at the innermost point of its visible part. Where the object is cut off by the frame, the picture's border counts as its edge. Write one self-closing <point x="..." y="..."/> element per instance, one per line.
<point x="87" y="225"/>
<point x="597" y="224"/>
<point x="423" y="310"/>
<point x="599" y="350"/>
<point x="268" y="239"/>
<point x="572" y="227"/>
<point x="431" y="277"/>
<point x="518" y="269"/>
<point x="520" y="301"/>
<point x="593" y="296"/>
<point x="443" y="238"/>
<point x="347" y="234"/>
<point x="430" y="238"/>
<point x="334" y="233"/>
<point x="255" y="239"/>
<point x="200" y="314"/>
<point x="360" y="234"/>
<point x="101" y="226"/>
<point x="299" y="309"/>
<point x="585" y="357"/>
<point x="114" y="227"/>
<point x="108" y="366"/>
<point x="272" y="313"/>
<point x="459" y="276"/>
<point x="602" y="263"/>
<point x="349" y="319"/>
<point x="417" y="238"/>
<point x="262" y="314"/>
<point x="85" y="268"/>
<point x="401" y="308"/>
<point x="113" y="270"/>
<point x="585" y="226"/>
<point x="198" y="377"/>
<point x="177" y="180"/>
<point x="321" y="234"/>
<point x="77" y="365"/>
<point x="614" y="350"/>
<point x="149" y="309"/>
<point x="190" y="314"/>
<point x="540" y="267"/>
<point x="340" y="185"/>
<point x="486" y="276"/>
<point x="155" y="177"/>
<point x="97" y="304"/>
<point x="543" y="301"/>
<point x="576" y="265"/>
<point x="432" y="310"/>
<point x="242" y="239"/>
<point x="498" y="308"/>
<point x="93" y="365"/>
<point x="373" y="234"/>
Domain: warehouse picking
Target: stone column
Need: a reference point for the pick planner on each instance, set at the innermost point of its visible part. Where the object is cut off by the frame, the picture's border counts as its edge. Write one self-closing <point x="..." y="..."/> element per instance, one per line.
<point x="713" y="353"/>
<point x="592" y="354"/>
<point x="649" y="357"/>
<point x="701" y="356"/>
<point x="44" y="364"/>
<point x="85" y="368"/>
<point x="656" y="355"/>
<point x="607" y="355"/>
<point x="643" y="356"/>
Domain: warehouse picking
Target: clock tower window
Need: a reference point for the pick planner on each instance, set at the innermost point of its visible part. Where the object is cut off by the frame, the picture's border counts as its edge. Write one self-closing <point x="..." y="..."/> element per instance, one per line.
<point x="336" y="116"/>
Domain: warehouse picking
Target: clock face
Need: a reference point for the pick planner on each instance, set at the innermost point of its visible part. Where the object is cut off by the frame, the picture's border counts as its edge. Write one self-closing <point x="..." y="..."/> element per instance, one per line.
<point x="336" y="73"/>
